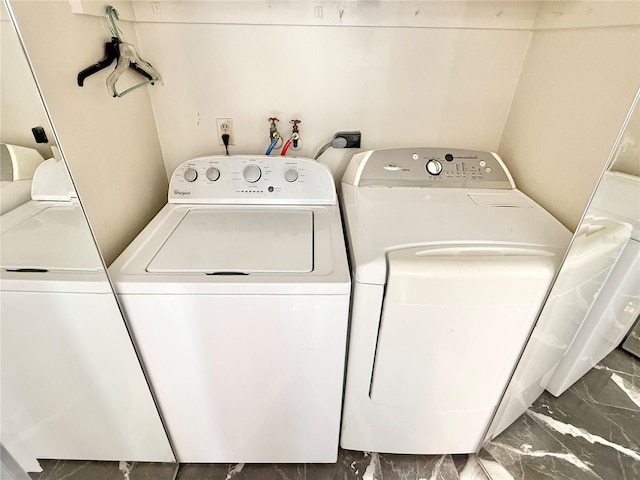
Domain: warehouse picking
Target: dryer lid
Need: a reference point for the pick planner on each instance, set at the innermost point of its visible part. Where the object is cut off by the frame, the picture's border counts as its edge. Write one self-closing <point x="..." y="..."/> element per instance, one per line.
<point x="380" y="220"/>
<point x="238" y="241"/>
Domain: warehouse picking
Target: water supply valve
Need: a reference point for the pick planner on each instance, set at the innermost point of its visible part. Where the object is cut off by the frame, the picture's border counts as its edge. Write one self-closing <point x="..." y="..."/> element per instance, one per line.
<point x="273" y="132"/>
<point x="275" y="140"/>
<point x="296" y="141"/>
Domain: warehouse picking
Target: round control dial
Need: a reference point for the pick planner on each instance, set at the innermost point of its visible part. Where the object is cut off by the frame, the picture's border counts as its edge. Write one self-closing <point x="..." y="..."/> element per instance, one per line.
<point x="252" y="173"/>
<point x="190" y="174"/>
<point x="291" y="175"/>
<point x="434" y="167"/>
<point x="213" y="174"/>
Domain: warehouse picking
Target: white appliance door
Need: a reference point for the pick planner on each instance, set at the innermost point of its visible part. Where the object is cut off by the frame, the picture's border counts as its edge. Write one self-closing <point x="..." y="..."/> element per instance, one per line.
<point x="246" y="378"/>
<point x="454" y="301"/>
<point x="238" y="241"/>
<point x="454" y="320"/>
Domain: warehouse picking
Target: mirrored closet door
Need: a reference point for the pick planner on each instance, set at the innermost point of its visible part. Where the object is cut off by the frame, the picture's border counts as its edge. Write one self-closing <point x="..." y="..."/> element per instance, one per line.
<point x="72" y="384"/>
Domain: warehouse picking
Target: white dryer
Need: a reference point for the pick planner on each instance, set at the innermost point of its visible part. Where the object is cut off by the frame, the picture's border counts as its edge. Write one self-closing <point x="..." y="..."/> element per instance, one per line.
<point x="608" y="308"/>
<point x="450" y="265"/>
<point x="238" y="295"/>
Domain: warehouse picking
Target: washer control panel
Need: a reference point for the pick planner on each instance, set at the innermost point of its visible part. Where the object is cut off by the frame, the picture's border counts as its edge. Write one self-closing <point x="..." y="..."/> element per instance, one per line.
<point x="428" y="167"/>
<point x="252" y="180"/>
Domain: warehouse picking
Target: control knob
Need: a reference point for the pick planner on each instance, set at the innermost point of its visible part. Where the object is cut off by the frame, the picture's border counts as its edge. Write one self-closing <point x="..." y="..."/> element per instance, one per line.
<point x="213" y="174"/>
<point x="190" y="174"/>
<point x="252" y="173"/>
<point x="434" y="167"/>
<point x="291" y="175"/>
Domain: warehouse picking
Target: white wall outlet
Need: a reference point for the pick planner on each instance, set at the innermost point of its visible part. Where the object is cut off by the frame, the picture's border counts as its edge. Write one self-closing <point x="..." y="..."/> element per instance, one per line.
<point x="225" y="125"/>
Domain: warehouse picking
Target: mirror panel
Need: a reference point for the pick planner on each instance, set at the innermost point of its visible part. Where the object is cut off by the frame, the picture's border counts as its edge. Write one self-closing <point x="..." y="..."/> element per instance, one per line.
<point x="20" y="110"/>
<point x="595" y="298"/>
<point x="72" y="384"/>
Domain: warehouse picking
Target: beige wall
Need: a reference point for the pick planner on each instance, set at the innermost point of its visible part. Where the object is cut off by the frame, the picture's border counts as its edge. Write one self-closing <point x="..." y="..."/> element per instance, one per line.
<point x="575" y="90"/>
<point x="548" y="91"/>
<point x="432" y="85"/>
<point x="20" y="108"/>
<point x="111" y="145"/>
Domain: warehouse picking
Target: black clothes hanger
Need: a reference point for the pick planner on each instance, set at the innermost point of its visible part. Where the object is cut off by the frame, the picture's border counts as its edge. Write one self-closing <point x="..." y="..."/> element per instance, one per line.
<point x="126" y="57"/>
<point x="112" y="52"/>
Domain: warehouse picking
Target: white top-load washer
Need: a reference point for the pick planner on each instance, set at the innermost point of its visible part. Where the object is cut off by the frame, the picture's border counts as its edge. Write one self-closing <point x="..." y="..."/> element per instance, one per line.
<point x="238" y="296"/>
<point x="72" y="385"/>
<point x="610" y="308"/>
<point x="450" y="265"/>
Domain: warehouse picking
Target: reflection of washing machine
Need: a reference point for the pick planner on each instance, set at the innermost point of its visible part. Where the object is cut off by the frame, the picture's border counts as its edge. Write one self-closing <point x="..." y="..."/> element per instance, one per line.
<point x="614" y="223"/>
<point x="238" y="296"/>
<point x="450" y="265"/>
<point x="72" y="386"/>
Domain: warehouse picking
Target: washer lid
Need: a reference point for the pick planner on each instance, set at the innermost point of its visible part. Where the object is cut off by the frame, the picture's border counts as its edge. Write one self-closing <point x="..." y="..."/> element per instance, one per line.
<point x="48" y="236"/>
<point x="238" y="241"/>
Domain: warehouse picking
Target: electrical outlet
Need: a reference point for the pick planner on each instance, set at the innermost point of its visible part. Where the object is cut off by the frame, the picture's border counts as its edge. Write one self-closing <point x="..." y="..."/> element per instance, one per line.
<point x="352" y="138"/>
<point x="225" y="125"/>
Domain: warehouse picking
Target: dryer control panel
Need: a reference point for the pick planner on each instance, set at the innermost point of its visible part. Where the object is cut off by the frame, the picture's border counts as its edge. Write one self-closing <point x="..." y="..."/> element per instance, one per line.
<point x="428" y="167"/>
<point x="252" y="180"/>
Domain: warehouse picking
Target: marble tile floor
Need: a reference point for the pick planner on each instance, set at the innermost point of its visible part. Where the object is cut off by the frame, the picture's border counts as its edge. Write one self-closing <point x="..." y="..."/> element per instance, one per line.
<point x="86" y="470"/>
<point x="591" y="432"/>
<point x="632" y="342"/>
<point x="351" y="465"/>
